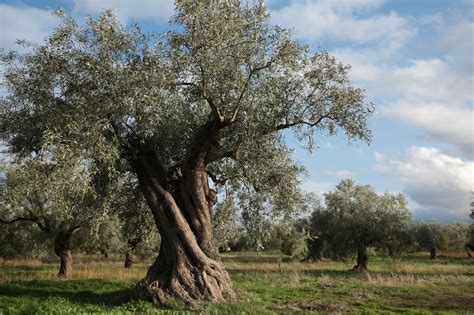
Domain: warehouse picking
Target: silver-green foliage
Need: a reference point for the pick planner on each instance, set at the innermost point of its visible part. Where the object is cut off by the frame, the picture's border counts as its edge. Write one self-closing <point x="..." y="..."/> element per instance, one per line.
<point x="137" y="227"/>
<point x="356" y="217"/>
<point x="54" y="192"/>
<point x="97" y="90"/>
<point x="431" y="236"/>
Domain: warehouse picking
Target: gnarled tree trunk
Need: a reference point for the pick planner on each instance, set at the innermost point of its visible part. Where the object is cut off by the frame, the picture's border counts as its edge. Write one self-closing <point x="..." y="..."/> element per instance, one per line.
<point x="188" y="266"/>
<point x="314" y="250"/>
<point x="362" y="259"/>
<point x="128" y="260"/>
<point x="105" y="252"/>
<point x="390" y="252"/>
<point x="62" y="248"/>
<point x="468" y="247"/>
<point x="432" y="253"/>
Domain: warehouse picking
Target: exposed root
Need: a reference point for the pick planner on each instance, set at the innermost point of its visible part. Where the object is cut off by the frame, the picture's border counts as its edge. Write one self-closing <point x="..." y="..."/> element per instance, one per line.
<point x="192" y="285"/>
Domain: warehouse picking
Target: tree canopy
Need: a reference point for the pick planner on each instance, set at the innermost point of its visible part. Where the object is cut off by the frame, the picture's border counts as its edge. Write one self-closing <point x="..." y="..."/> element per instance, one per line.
<point x="208" y="100"/>
<point x="356" y="218"/>
<point x="55" y="193"/>
<point x="432" y="237"/>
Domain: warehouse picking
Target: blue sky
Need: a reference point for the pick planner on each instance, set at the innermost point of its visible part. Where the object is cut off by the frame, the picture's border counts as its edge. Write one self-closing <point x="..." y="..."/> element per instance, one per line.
<point x="413" y="57"/>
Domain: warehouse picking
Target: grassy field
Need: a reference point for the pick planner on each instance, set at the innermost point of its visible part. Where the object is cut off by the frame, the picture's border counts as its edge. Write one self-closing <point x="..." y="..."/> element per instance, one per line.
<point x="411" y="285"/>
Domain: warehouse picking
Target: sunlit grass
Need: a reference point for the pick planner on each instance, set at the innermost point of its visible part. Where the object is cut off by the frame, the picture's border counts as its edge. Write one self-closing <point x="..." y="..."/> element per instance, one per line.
<point x="265" y="283"/>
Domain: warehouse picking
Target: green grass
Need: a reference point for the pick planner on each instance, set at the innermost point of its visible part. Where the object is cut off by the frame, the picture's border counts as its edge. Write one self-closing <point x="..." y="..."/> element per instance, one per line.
<point x="412" y="285"/>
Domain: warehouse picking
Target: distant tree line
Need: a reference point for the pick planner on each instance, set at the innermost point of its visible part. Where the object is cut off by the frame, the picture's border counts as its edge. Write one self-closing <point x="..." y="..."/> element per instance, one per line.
<point x="353" y="222"/>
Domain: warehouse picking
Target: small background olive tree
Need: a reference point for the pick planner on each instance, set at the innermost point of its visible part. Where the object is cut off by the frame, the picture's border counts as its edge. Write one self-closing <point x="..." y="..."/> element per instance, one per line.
<point x="354" y="219"/>
<point x="432" y="237"/>
<point x="137" y="226"/>
<point x="56" y="194"/>
<point x="470" y="244"/>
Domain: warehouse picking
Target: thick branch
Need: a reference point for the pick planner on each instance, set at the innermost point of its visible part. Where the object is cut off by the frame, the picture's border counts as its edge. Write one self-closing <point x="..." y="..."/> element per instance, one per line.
<point x="18" y="219"/>
<point x="34" y="219"/>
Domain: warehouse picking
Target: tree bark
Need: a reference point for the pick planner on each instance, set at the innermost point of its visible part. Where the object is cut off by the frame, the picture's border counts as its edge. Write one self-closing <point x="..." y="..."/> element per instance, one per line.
<point x="128" y="260"/>
<point x="390" y="252"/>
<point x="62" y="248"/>
<point x="432" y="253"/>
<point x="105" y="252"/>
<point x="188" y="266"/>
<point x="467" y="248"/>
<point x="362" y="259"/>
<point x="314" y="250"/>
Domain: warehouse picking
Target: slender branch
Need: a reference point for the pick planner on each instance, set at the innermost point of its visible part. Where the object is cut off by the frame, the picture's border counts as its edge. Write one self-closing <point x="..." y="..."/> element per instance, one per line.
<point x="300" y="122"/>
<point x="74" y="229"/>
<point x="209" y="100"/>
<point x="18" y="219"/>
<point x="244" y="89"/>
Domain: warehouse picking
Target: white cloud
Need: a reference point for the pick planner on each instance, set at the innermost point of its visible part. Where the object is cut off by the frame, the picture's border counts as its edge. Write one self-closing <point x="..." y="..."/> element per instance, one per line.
<point x="425" y="79"/>
<point x="156" y="10"/>
<point x="439" y="183"/>
<point x="453" y="125"/>
<point x="379" y="157"/>
<point x="435" y="92"/>
<point x="316" y="187"/>
<point x="343" y="20"/>
<point x="458" y="42"/>
<point x="431" y="94"/>
<point x="24" y="22"/>
<point x="342" y="174"/>
<point x="432" y="79"/>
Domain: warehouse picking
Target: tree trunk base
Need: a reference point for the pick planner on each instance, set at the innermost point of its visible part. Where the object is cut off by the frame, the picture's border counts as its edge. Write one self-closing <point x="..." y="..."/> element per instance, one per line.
<point x="65" y="270"/>
<point x="128" y="260"/>
<point x="362" y="260"/>
<point x="192" y="284"/>
<point x="360" y="268"/>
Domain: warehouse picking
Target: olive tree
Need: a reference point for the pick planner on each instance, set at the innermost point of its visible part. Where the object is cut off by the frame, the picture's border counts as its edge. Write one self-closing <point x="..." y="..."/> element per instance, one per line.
<point x="208" y="100"/>
<point x="321" y="233"/>
<point x="225" y="224"/>
<point x="431" y="236"/>
<point x="55" y="195"/>
<point x="104" y="239"/>
<point x="136" y="223"/>
<point x="397" y="225"/>
<point x="24" y="240"/>
<point x="356" y="218"/>
<point x="458" y="235"/>
<point x="470" y="243"/>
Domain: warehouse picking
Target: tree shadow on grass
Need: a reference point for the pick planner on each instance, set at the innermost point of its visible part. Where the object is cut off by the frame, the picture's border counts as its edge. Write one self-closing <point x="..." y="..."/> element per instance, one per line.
<point x="76" y="291"/>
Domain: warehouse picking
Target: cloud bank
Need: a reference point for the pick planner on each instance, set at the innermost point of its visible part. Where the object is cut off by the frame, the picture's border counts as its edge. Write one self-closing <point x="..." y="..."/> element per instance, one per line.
<point x="439" y="183"/>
